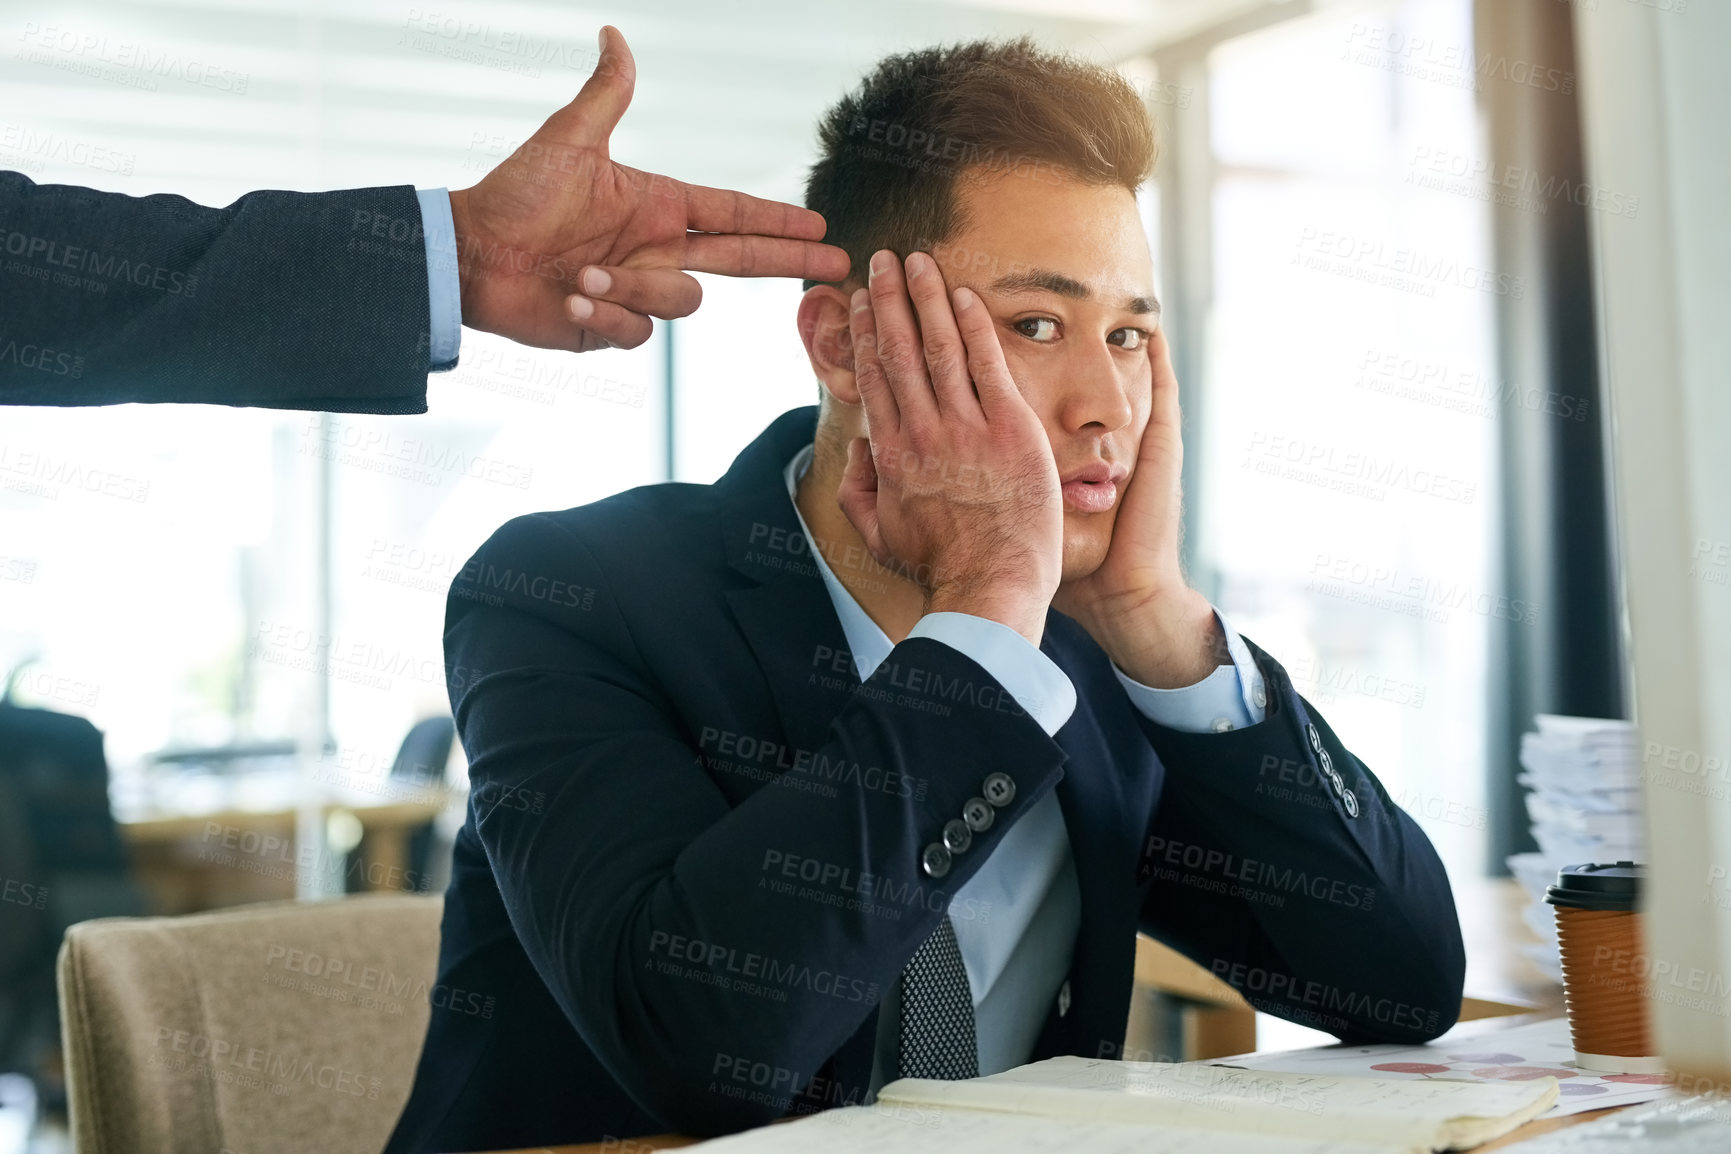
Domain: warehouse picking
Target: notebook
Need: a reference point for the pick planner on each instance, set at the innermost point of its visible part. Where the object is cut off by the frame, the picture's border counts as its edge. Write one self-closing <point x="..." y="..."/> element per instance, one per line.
<point x="1064" y="1104"/>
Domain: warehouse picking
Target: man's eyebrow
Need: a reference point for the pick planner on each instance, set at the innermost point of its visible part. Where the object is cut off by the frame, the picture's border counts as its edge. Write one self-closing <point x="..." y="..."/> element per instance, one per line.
<point x="1045" y="280"/>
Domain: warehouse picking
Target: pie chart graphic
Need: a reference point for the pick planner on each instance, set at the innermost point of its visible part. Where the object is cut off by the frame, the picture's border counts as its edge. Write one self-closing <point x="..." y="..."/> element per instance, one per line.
<point x="1522" y="1073"/>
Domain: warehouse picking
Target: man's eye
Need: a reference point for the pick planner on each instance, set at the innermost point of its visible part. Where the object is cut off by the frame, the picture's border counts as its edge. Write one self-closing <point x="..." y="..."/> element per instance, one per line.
<point x="1132" y="339"/>
<point x="1041" y="329"/>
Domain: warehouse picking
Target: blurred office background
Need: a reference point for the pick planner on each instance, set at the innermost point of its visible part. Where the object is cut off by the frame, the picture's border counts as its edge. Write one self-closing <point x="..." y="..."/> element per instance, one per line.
<point x="1371" y="232"/>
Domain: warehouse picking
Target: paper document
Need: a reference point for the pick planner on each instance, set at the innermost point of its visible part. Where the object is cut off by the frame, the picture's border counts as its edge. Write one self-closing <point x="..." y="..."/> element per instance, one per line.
<point x="876" y="1129"/>
<point x="1403" y="1112"/>
<point x="1510" y="1055"/>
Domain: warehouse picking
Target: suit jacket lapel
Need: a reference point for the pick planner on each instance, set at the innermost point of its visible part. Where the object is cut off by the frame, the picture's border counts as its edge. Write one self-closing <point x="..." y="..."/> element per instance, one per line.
<point x="1102" y="799"/>
<point x="797" y="639"/>
<point x="790" y="624"/>
<point x="785" y="613"/>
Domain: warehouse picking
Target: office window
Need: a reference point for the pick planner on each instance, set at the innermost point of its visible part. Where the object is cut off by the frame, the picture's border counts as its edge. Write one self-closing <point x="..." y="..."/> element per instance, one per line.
<point x="1346" y="480"/>
<point x="738" y="364"/>
<point x="165" y="563"/>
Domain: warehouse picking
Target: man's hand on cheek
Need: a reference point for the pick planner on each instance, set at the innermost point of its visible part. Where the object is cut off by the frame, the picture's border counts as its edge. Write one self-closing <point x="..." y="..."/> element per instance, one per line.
<point x="1136" y="605"/>
<point x="957" y="485"/>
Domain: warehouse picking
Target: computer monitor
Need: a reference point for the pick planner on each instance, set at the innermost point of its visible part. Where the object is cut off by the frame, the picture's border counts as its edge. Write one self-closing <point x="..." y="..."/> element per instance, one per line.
<point x="1653" y="87"/>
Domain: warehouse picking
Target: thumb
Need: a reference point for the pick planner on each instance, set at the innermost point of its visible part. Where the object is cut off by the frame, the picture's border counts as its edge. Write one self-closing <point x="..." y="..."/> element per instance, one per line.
<point x="858" y="496"/>
<point x="590" y="119"/>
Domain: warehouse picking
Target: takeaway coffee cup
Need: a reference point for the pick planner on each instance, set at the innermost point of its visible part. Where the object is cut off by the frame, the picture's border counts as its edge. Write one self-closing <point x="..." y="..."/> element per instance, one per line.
<point x="1605" y="967"/>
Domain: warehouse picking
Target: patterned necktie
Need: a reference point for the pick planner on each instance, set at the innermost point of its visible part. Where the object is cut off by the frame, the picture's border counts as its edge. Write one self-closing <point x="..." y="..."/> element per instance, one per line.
<point x="937" y="1012"/>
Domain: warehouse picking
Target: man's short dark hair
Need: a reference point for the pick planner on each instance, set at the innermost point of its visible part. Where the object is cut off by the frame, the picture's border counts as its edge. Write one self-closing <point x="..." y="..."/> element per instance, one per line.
<point x="893" y="149"/>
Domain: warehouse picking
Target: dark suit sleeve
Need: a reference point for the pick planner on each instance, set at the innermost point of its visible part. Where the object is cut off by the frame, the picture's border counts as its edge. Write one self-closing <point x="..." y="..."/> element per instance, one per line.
<point x="1319" y="900"/>
<point x="643" y="896"/>
<point x="283" y="299"/>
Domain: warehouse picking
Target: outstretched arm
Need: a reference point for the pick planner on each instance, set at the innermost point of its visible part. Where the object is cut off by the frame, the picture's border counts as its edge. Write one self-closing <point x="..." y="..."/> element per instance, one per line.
<point x="325" y="300"/>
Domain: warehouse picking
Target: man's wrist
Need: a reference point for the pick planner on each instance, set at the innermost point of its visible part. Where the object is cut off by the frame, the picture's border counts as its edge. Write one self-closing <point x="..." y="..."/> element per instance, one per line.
<point x="1036" y="682"/>
<point x="444" y="341"/>
<point x="1168" y="642"/>
<point x="1019" y="613"/>
<point x="461" y="228"/>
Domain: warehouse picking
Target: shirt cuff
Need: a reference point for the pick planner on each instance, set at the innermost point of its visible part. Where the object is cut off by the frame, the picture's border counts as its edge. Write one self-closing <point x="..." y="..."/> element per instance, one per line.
<point x="1232" y="697"/>
<point x="1032" y="678"/>
<point x="444" y="295"/>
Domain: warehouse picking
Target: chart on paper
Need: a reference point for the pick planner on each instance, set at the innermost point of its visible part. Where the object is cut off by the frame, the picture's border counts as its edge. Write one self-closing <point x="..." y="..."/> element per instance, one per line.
<point x="1517" y="1054"/>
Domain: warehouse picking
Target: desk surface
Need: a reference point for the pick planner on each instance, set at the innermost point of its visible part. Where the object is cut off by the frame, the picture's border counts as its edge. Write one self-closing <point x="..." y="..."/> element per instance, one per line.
<point x="154" y="828"/>
<point x="675" y="1141"/>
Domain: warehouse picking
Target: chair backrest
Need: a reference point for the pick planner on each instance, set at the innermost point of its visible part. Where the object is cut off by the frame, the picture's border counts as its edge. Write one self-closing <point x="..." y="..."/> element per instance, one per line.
<point x="61" y="861"/>
<point x="425" y="750"/>
<point x="285" y="1026"/>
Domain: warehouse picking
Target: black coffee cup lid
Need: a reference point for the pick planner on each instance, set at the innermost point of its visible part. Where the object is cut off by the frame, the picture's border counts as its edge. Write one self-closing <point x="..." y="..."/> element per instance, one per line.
<point x="1614" y="886"/>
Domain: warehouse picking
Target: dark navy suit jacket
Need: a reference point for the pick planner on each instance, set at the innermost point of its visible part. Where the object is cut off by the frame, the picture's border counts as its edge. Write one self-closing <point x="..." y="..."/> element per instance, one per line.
<point x="648" y="692"/>
<point x="284" y="300"/>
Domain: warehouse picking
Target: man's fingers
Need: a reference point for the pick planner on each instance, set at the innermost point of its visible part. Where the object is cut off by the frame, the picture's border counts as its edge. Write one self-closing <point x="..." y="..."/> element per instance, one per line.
<point x="991" y="376"/>
<point x="655" y="292"/>
<point x="756" y="255"/>
<point x="898" y="348"/>
<point x="1166" y="409"/>
<point x="615" y="324"/>
<point x="946" y="356"/>
<point x="723" y="210"/>
<point x="590" y="119"/>
<point x="883" y="419"/>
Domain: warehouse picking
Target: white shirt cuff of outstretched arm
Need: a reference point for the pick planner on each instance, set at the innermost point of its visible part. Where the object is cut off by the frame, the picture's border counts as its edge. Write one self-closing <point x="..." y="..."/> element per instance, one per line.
<point x="1032" y="678"/>
<point x="1232" y="697"/>
<point x="444" y="291"/>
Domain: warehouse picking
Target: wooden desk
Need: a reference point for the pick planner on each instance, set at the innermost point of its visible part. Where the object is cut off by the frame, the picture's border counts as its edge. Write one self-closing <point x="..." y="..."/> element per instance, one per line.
<point x="186" y="863"/>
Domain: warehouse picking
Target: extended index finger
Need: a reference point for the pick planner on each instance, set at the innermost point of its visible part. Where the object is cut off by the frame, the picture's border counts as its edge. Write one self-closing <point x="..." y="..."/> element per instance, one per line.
<point x="724" y="210"/>
<point x="756" y="255"/>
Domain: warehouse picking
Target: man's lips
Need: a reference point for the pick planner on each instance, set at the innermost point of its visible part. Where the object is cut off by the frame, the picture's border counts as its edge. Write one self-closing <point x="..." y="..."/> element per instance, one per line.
<point x="1093" y="488"/>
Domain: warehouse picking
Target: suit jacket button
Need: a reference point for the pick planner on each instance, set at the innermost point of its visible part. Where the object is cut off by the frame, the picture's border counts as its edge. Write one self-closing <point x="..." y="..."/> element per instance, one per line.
<point x="1315" y="738"/>
<point x="1351" y="802"/>
<point x="935" y="860"/>
<point x="999" y="789"/>
<point x="957" y="836"/>
<point x="978" y="814"/>
<point x="1064" y="998"/>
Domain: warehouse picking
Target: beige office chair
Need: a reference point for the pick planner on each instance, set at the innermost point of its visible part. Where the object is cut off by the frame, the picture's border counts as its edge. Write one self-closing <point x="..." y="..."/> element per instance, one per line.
<point x="285" y="1026"/>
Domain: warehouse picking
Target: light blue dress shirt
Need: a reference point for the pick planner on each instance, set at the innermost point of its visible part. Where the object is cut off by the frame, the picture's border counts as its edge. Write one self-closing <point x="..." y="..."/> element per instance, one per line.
<point x="1016" y="918"/>
<point x="444" y="295"/>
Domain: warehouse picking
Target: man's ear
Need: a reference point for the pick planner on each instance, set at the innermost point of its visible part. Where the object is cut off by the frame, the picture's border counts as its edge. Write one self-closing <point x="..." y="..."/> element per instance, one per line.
<point x="823" y="328"/>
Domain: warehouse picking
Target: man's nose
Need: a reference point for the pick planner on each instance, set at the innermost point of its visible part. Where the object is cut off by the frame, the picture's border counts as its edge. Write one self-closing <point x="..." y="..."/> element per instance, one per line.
<point x="1096" y="393"/>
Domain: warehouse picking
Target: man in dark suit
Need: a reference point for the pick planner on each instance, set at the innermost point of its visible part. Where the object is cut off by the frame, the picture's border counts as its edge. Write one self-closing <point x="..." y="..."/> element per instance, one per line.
<point x="869" y="760"/>
<point x="344" y="301"/>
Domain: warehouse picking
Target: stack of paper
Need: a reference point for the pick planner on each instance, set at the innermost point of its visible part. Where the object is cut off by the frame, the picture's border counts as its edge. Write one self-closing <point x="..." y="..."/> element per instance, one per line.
<point x="1585" y="806"/>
